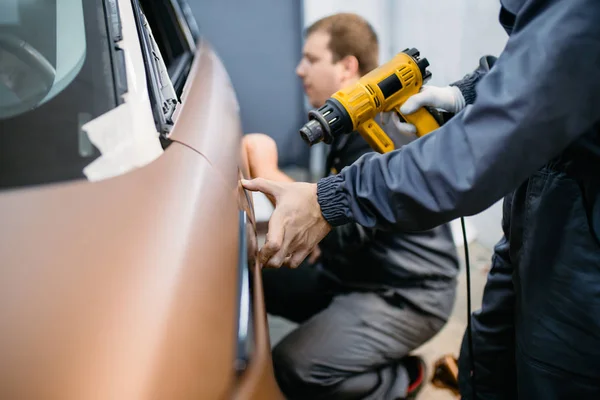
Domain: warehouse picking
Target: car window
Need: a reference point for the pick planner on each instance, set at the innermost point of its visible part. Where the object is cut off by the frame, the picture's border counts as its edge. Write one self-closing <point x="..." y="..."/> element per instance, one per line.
<point x="174" y="36"/>
<point x="56" y="74"/>
<point x="160" y="87"/>
<point x="191" y="20"/>
<point x="36" y="65"/>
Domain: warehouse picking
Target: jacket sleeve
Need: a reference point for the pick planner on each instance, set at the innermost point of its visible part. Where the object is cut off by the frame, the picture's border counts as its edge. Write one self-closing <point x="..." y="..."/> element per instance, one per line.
<point x="469" y="82"/>
<point x="542" y="93"/>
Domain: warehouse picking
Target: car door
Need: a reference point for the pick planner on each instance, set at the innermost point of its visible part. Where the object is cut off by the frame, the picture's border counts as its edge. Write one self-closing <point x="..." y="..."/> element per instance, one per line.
<point x="208" y="121"/>
<point x="128" y="284"/>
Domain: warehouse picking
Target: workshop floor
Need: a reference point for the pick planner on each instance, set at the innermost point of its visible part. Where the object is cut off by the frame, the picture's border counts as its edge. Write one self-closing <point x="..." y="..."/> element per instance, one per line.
<point x="449" y="339"/>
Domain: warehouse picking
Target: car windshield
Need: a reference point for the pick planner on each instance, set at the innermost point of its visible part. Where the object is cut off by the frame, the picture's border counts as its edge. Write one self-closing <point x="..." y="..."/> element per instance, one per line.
<point x="55" y="75"/>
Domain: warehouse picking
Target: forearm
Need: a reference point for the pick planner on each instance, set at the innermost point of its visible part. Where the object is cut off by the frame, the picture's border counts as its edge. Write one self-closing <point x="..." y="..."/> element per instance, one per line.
<point x="272" y="174"/>
<point x="259" y="153"/>
<point x="517" y="124"/>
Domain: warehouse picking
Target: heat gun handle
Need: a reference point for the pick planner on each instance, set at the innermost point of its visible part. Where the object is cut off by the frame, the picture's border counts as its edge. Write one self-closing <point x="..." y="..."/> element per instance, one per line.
<point x="422" y="120"/>
<point x="375" y="137"/>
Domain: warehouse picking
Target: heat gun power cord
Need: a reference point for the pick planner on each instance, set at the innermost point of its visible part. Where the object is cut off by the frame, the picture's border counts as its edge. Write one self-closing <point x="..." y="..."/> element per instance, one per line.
<point x="469" y="330"/>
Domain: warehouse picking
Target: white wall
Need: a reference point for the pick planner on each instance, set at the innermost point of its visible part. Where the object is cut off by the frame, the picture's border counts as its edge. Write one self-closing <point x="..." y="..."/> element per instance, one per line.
<point x="451" y="34"/>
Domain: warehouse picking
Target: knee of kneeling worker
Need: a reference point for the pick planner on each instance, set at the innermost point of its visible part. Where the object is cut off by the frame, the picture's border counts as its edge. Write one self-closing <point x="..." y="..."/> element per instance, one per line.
<point x="300" y="377"/>
<point x="289" y="365"/>
<point x="293" y="371"/>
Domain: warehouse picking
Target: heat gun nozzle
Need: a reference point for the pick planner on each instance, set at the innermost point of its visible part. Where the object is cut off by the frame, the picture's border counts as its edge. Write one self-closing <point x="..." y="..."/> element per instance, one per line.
<point x="312" y="132"/>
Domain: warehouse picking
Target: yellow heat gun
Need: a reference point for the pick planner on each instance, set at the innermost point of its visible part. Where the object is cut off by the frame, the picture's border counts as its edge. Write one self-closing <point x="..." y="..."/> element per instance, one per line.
<point x="383" y="89"/>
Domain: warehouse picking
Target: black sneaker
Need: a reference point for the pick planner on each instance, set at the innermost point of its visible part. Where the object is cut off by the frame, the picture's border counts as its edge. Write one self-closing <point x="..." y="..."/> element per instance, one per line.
<point x="417" y="373"/>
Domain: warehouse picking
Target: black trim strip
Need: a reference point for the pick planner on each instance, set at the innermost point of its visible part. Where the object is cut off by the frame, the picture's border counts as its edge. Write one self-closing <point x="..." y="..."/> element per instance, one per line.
<point x="115" y="26"/>
<point x="244" y="320"/>
<point x="115" y="34"/>
<point x="179" y="71"/>
<point x="183" y="25"/>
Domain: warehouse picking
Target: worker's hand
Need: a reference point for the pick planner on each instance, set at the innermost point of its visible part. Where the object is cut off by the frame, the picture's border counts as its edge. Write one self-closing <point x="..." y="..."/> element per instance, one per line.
<point x="448" y="98"/>
<point x="296" y="226"/>
<point x="261" y="151"/>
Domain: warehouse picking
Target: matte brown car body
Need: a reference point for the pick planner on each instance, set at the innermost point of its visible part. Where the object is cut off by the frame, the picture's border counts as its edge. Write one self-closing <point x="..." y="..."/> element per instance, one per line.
<point x="127" y="288"/>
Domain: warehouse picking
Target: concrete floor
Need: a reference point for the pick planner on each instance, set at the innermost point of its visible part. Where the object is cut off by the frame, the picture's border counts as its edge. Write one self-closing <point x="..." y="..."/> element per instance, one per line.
<point x="449" y="339"/>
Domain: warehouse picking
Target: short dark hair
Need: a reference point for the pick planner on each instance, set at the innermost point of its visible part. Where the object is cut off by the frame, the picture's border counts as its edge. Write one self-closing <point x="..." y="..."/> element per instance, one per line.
<point x="350" y="35"/>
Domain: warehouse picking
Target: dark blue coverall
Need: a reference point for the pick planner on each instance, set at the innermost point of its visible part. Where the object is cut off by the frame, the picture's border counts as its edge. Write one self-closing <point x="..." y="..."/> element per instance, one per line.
<point x="531" y="135"/>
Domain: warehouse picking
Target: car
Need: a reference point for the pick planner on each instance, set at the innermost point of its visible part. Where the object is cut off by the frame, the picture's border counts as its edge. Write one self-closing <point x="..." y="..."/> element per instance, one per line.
<point x="128" y="246"/>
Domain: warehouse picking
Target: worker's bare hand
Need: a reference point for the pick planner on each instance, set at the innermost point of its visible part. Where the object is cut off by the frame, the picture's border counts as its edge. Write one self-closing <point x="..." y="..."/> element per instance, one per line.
<point x="296" y="226"/>
<point x="261" y="151"/>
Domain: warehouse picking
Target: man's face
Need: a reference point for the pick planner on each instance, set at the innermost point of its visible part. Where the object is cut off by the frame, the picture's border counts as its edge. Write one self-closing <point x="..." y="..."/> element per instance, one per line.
<point x="320" y="76"/>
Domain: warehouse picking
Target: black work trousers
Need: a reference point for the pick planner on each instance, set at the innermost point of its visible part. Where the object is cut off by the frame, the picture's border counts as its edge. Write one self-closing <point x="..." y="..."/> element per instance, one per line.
<point x="349" y="344"/>
<point x="537" y="335"/>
